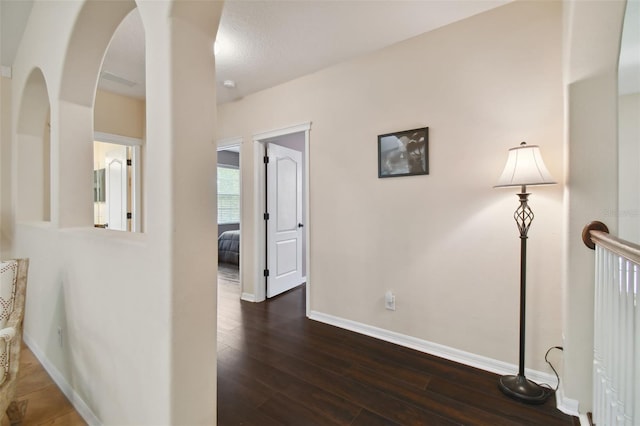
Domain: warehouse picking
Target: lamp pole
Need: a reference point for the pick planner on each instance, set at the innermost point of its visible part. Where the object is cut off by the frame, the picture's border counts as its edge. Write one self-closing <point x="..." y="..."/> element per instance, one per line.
<point x="523" y="216"/>
<point x="519" y="387"/>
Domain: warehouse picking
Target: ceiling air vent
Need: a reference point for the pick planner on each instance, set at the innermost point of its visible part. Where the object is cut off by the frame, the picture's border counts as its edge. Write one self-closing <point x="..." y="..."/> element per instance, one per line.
<point x="106" y="75"/>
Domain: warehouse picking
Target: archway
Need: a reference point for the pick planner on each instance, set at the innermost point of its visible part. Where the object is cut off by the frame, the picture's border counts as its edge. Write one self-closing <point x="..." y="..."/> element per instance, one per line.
<point x="170" y="268"/>
<point x="119" y="129"/>
<point x="33" y="190"/>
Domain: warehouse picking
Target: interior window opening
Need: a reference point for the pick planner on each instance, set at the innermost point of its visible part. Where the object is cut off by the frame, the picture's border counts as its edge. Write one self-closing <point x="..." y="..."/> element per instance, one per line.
<point x="119" y="130"/>
<point x="114" y="187"/>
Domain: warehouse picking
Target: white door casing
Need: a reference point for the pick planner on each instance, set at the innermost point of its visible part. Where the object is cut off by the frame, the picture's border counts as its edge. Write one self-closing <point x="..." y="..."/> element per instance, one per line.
<point x="284" y="227"/>
<point x="235" y="143"/>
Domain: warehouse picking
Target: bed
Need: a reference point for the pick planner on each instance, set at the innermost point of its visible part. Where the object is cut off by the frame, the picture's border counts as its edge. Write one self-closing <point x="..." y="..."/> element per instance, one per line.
<point x="229" y="247"/>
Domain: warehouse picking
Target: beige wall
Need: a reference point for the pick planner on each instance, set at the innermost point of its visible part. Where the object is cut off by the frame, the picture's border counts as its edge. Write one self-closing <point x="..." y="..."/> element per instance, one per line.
<point x="591" y="96"/>
<point x="119" y="115"/>
<point x="629" y="159"/>
<point x="5" y="165"/>
<point x="445" y="243"/>
<point x="137" y="311"/>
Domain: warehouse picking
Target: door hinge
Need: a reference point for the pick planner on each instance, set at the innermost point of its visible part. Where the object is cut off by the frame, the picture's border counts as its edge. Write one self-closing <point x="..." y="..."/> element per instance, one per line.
<point x="129" y="163"/>
<point x="266" y="216"/>
<point x="266" y="272"/>
<point x="266" y="159"/>
<point x="129" y="215"/>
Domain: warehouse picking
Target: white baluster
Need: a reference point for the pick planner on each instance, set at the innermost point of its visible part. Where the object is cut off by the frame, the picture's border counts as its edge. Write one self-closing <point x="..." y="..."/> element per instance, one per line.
<point x="616" y="354"/>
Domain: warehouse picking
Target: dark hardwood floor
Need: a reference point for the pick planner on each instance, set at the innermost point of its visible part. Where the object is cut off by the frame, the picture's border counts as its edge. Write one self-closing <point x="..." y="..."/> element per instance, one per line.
<point x="276" y="367"/>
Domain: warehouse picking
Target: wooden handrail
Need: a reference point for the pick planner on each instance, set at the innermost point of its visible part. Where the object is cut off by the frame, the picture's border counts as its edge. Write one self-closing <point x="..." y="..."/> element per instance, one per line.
<point x="598" y="233"/>
<point x="586" y="233"/>
<point x="618" y="246"/>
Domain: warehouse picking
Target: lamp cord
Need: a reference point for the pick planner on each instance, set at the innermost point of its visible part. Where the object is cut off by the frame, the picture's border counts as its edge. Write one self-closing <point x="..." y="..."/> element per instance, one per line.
<point x="554" y="370"/>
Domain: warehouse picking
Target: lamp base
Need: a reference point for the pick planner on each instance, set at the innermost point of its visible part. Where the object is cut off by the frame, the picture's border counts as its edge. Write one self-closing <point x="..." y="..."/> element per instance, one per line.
<point x="524" y="390"/>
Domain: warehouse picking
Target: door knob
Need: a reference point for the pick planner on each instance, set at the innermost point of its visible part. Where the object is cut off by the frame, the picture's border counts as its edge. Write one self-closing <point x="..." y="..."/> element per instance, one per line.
<point x="300" y="225"/>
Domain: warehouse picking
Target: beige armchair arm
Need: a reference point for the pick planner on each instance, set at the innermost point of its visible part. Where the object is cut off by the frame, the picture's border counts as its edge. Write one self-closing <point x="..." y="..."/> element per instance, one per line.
<point x="15" y="318"/>
<point x="11" y="340"/>
<point x="7" y="334"/>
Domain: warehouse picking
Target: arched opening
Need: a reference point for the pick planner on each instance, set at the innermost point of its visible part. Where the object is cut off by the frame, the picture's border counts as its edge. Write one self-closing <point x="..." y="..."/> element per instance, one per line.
<point x="34" y="152"/>
<point x="119" y="129"/>
<point x="170" y="269"/>
<point x="94" y="27"/>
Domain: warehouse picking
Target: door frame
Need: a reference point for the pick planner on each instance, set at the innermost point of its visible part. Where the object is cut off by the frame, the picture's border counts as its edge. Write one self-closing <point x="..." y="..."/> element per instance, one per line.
<point x="221" y="145"/>
<point x="259" y="228"/>
<point x="117" y="188"/>
<point x="136" y="174"/>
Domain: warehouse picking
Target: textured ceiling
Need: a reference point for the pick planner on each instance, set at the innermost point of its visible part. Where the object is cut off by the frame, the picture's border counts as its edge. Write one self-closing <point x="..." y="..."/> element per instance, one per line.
<point x="261" y="44"/>
<point x="13" y="18"/>
<point x="267" y="42"/>
<point x="123" y="69"/>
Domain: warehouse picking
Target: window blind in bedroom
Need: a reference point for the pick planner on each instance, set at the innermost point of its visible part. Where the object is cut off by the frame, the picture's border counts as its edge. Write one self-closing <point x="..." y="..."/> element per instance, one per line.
<point x="228" y="195"/>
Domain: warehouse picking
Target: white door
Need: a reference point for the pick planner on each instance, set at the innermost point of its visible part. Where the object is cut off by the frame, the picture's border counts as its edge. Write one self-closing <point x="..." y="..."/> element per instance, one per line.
<point x="116" y="188"/>
<point x="284" y="226"/>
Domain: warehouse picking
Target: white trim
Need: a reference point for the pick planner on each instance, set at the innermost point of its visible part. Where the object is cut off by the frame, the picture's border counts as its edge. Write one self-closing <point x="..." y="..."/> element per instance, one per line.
<point x="259" y="178"/>
<point x="78" y="403"/>
<point x="584" y="420"/>
<point x="436" y="349"/>
<point x="259" y="290"/>
<point x="306" y="219"/>
<point x="236" y="140"/>
<point x="567" y="405"/>
<point x="304" y="127"/>
<point x="117" y="139"/>
<point x="5" y="71"/>
<point x="249" y="297"/>
<point x="221" y="144"/>
<point x="136" y="197"/>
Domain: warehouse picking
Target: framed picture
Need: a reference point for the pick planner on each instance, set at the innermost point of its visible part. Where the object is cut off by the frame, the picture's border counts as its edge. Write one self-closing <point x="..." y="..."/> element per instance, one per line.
<point x="404" y="153"/>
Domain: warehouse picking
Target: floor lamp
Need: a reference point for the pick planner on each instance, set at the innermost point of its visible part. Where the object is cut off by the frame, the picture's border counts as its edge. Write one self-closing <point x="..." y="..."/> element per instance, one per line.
<point x="524" y="167"/>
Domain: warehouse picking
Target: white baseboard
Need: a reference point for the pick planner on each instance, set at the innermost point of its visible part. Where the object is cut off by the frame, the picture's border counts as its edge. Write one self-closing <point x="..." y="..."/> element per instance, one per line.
<point x="249" y="297"/>
<point x="81" y="407"/>
<point x="570" y="406"/>
<point x="566" y="405"/>
<point x="452" y="354"/>
<point x="584" y="420"/>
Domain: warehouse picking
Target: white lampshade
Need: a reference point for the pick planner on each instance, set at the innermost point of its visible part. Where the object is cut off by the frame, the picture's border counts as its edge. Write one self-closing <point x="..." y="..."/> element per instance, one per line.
<point x="524" y="167"/>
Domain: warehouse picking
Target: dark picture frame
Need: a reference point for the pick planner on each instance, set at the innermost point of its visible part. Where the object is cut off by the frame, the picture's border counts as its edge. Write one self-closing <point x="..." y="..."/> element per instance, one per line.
<point x="404" y="153"/>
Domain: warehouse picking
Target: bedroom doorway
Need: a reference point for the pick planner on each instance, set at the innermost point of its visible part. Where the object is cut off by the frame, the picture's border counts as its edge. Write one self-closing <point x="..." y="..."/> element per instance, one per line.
<point x="268" y="265"/>
<point x="284" y="225"/>
<point x="229" y="187"/>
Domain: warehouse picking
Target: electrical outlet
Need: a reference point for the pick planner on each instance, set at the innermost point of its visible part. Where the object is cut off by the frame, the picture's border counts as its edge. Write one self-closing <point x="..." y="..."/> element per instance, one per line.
<point x="60" y="336"/>
<point x="390" y="301"/>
